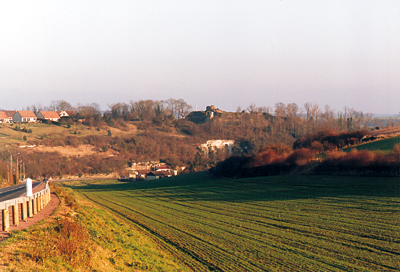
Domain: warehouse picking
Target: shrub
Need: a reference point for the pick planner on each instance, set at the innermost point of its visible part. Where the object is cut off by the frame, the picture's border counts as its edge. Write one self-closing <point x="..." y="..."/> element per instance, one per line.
<point x="396" y="153"/>
<point x="300" y="156"/>
<point x="231" y="167"/>
<point x="72" y="141"/>
<point x="264" y="157"/>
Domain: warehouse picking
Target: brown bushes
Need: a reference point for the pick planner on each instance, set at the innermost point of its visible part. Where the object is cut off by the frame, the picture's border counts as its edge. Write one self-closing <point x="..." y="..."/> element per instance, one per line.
<point x="268" y="162"/>
<point x="271" y="160"/>
<point x="360" y="163"/>
<point x="66" y="239"/>
<point x="329" y="140"/>
<point x="71" y="239"/>
<point x="300" y="156"/>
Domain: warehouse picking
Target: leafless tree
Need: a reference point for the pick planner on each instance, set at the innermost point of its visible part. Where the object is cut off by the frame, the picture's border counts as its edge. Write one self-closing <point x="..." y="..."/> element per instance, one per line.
<point x="292" y="109"/>
<point x="36" y="108"/>
<point x="59" y="105"/>
<point x="252" y="108"/>
<point x="280" y="109"/>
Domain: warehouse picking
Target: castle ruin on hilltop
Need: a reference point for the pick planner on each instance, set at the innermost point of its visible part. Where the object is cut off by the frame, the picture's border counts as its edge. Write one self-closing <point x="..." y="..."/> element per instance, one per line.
<point x="200" y="117"/>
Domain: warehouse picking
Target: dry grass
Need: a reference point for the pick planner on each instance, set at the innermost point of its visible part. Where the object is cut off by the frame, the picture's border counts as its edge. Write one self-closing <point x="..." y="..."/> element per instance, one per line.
<point x="41" y="131"/>
<point x="81" y="237"/>
<point x="70" y="151"/>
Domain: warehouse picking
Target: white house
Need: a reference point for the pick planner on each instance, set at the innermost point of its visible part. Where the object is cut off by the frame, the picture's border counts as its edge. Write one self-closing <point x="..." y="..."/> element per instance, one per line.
<point x="4" y="117"/>
<point x="158" y="175"/>
<point x="10" y="115"/>
<point x="24" y="117"/>
<point x="48" y="115"/>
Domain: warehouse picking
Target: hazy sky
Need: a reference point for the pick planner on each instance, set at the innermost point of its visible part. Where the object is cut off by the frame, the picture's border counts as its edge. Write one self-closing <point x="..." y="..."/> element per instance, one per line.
<point x="227" y="53"/>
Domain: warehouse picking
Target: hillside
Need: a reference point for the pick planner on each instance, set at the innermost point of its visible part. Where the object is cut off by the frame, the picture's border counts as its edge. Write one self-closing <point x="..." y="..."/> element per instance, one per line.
<point x="109" y="146"/>
<point x="149" y="131"/>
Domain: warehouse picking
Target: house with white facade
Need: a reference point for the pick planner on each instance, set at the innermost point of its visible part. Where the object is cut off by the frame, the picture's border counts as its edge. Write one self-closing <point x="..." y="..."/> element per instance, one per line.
<point x="4" y="117"/>
<point x="157" y="175"/>
<point x="10" y="115"/>
<point x="25" y="117"/>
<point x="48" y="115"/>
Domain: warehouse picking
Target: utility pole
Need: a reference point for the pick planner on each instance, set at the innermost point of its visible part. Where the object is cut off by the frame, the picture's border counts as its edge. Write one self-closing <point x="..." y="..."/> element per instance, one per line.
<point x="17" y="174"/>
<point x="11" y="170"/>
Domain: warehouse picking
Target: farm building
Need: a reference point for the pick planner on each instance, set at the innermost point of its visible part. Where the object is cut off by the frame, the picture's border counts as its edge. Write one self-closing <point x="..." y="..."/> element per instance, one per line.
<point x="48" y="115"/>
<point x="24" y="117"/>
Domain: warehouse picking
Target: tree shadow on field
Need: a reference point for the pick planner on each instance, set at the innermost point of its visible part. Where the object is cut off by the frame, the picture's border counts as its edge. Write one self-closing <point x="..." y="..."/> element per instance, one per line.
<point x="202" y="187"/>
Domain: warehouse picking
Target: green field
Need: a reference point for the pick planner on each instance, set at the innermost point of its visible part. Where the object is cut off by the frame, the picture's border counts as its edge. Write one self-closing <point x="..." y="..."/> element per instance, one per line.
<point x="282" y="223"/>
<point x="385" y="145"/>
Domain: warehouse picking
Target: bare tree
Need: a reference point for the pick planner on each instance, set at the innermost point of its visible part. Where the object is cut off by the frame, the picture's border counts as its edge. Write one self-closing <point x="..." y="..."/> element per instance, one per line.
<point x="89" y="110"/>
<point x="280" y="109"/>
<point x="252" y="108"/>
<point x="183" y="108"/>
<point x="59" y="105"/>
<point x="36" y="108"/>
<point x="292" y="109"/>
<point x="328" y="117"/>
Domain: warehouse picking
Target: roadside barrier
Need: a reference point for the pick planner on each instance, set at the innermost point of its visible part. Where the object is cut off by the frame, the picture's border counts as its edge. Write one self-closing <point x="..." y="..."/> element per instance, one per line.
<point x="23" y="207"/>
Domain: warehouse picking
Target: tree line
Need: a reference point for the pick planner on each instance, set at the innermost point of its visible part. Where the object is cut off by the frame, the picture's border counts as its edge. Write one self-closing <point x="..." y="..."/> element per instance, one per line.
<point x="167" y="135"/>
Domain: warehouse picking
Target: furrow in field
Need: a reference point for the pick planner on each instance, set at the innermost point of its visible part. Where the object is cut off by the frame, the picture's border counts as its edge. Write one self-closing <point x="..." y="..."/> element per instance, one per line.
<point x="253" y="241"/>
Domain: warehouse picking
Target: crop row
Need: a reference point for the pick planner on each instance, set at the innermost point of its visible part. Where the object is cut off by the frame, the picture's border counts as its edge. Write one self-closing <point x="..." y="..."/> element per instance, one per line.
<point x="210" y="231"/>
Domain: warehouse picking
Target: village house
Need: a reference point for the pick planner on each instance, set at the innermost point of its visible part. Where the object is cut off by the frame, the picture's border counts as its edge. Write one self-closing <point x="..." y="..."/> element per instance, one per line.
<point x="24" y="117"/>
<point x="10" y="115"/>
<point x="66" y="114"/>
<point x="48" y="115"/>
<point x="157" y="175"/>
<point x="3" y="117"/>
<point x="63" y="113"/>
<point x="141" y="174"/>
<point x="163" y="168"/>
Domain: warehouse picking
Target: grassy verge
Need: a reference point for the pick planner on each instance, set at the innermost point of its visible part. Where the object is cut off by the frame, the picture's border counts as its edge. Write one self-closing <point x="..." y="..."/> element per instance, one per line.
<point x="81" y="237"/>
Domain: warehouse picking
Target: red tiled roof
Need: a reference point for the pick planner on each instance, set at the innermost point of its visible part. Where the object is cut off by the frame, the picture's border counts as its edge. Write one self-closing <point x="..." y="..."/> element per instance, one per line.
<point x="143" y="172"/>
<point x="28" y="114"/>
<point x="68" y="112"/>
<point x="50" y="114"/>
<point x="3" y="115"/>
<point x="10" y="113"/>
<point x="163" y="168"/>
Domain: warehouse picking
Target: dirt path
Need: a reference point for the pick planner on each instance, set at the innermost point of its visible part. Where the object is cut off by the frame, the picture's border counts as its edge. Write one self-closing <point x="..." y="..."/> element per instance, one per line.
<point x="48" y="210"/>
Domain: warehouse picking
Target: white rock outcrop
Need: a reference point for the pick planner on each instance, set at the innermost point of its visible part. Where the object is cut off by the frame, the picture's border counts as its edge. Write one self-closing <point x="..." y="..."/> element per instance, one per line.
<point x="217" y="144"/>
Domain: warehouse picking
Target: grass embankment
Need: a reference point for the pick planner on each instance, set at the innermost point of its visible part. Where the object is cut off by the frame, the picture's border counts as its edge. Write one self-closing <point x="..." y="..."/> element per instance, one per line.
<point x="385" y="145"/>
<point x="82" y="237"/>
<point x="280" y="223"/>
